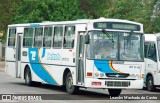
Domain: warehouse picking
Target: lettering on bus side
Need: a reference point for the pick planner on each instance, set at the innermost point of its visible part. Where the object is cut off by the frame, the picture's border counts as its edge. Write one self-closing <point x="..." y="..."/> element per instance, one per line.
<point x="118" y="62"/>
<point x="134" y="67"/>
<point x="53" y="56"/>
<point x="65" y="59"/>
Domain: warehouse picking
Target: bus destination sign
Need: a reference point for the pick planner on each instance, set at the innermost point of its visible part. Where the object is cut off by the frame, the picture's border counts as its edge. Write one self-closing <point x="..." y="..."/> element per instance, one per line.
<point x="116" y="25"/>
<point x="124" y="26"/>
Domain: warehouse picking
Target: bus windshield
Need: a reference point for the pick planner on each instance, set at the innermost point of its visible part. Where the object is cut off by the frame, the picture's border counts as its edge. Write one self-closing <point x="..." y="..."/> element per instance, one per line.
<point x="115" y="46"/>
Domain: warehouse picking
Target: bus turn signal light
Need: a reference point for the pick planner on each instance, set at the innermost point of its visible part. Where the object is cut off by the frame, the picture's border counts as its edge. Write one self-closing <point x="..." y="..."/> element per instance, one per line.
<point x="89" y="74"/>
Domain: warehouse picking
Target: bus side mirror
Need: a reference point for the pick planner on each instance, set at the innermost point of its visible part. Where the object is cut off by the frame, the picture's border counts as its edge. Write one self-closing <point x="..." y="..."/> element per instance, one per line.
<point x="86" y="39"/>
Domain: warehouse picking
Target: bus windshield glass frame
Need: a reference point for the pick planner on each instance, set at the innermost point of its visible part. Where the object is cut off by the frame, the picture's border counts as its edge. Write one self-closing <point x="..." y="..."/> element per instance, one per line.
<point x="114" y="45"/>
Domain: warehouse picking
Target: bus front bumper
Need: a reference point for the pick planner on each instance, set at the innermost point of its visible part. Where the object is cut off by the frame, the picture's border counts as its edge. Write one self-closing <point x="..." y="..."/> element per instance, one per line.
<point x="106" y="84"/>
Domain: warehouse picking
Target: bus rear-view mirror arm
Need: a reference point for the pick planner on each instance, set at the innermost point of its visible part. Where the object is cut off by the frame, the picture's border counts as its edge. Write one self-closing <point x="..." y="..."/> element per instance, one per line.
<point x="86" y="39"/>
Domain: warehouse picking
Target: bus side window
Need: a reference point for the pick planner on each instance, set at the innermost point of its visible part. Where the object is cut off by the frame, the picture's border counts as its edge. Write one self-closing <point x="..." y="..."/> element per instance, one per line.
<point x="47" y="37"/>
<point x="12" y="37"/>
<point x="38" y="37"/>
<point x="28" y="37"/>
<point x="69" y="37"/>
<point x="57" y="38"/>
<point x="145" y="49"/>
<point x="152" y="52"/>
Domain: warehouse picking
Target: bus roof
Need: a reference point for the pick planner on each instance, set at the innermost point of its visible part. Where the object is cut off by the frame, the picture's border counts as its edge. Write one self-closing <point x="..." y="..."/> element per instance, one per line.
<point x="79" y="21"/>
<point x="151" y="37"/>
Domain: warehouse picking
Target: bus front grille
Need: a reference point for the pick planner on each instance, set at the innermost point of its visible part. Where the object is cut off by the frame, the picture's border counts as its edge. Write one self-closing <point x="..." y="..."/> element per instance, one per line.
<point x="117" y="83"/>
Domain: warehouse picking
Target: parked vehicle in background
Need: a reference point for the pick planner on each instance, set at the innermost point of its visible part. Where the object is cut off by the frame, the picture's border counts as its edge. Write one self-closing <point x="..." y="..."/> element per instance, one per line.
<point x="152" y="61"/>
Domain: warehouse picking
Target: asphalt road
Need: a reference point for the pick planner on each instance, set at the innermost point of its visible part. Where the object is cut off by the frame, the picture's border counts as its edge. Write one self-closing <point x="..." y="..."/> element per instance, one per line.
<point x="18" y="91"/>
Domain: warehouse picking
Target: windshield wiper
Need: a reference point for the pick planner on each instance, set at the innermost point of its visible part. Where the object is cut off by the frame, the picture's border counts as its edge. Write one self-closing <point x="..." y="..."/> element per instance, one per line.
<point x="105" y="32"/>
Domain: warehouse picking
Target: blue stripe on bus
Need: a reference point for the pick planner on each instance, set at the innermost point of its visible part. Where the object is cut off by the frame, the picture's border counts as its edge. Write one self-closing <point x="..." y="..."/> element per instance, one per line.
<point x="38" y="69"/>
<point x="104" y="66"/>
<point x="34" y="25"/>
<point x="43" y="53"/>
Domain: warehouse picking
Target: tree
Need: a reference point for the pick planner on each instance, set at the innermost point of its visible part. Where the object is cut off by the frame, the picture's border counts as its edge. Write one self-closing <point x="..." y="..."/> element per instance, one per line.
<point x="7" y="13"/>
<point x="139" y="11"/>
<point x="29" y="11"/>
<point x="93" y="8"/>
<point x="47" y="10"/>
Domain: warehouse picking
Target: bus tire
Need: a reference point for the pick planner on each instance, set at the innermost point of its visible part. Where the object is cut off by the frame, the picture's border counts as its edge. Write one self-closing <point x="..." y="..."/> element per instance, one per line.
<point x="114" y="92"/>
<point x="28" y="78"/>
<point x="150" y="84"/>
<point x="70" y="88"/>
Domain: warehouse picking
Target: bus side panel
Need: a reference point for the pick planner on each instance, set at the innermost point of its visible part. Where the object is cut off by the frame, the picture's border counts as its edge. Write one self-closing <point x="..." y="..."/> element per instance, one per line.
<point x="10" y="54"/>
<point x="57" y="73"/>
<point x="158" y="74"/>
<point x="34" y="76"/>
<point x="24" y="56"/>
<point x="49" y="73"/>
<point x="68" y="57"/>
<point x="46" y="65"/>
<point x="10" y="68"/>
<point x="151" y="68"/>
<point x="24" y="60"/>
<point x="10" y="62"/>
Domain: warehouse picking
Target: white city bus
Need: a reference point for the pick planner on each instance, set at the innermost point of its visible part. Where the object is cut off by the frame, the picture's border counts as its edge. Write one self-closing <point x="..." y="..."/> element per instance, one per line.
<point x="100" y="53"/>
<point x="152" y="61"/>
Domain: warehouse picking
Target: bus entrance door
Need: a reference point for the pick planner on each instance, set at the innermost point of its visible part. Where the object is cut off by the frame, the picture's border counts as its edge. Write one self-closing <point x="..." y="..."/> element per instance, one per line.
<point x="80" y="67"/>
<point x="18" y="55"/>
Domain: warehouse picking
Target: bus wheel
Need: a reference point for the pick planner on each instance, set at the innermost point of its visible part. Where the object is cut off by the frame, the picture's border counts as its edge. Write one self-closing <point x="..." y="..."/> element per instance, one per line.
<point x="28" y="78"/>
<point x="150" y="84"/>
<point x="70" y="88"/>
<point x="114" y="92"/>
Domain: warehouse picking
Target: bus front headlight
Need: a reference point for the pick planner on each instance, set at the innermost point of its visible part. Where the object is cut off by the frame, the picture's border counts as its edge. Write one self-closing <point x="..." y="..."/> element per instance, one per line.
<point x="101" y="74"/>
<point x="96" y="74"/>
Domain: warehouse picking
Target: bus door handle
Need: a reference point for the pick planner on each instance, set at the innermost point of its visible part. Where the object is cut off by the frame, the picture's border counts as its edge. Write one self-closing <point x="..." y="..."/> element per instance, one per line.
<point x="14" y="56"/>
